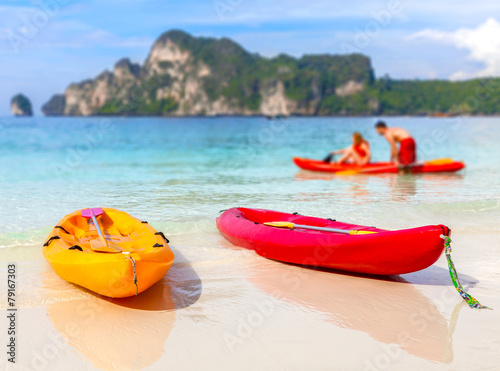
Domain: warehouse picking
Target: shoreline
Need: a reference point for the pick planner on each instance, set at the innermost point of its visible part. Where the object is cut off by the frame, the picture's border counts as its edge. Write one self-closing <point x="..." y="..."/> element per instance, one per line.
<point x="258" y="116"/>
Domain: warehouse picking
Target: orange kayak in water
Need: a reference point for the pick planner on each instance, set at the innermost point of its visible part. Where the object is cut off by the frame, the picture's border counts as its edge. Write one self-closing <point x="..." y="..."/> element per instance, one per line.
<point x="434" y="166"/>
<point x="138" y="256"/>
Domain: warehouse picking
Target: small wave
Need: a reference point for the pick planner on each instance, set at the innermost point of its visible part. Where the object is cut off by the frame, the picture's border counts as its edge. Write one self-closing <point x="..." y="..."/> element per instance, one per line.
<point x="27" y="238"/>
<point x="474" y="206"/>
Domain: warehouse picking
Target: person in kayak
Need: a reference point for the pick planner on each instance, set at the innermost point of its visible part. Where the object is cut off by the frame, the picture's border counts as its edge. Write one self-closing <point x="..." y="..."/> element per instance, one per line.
<point x="407" y="153"/>
<point x="358" y="153"/>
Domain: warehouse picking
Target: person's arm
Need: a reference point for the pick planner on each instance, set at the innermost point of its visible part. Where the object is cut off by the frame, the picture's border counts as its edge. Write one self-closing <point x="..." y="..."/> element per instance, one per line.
<point x="338" y="152"/>
<point x="394" y="148"/>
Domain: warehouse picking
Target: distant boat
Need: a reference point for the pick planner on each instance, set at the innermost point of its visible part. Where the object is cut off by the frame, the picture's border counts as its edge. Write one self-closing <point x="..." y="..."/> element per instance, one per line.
<point x="277" y="117"/>
<point x="442" y="114"/>
<point x="441" y="165"/>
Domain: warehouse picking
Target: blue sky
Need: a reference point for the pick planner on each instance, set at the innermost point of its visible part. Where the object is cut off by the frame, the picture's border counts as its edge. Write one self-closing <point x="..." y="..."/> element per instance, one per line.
<point x="46" y="44"/>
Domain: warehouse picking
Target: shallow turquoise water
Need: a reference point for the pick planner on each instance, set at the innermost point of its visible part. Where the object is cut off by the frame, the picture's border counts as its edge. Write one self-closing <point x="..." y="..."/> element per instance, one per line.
<point x="178" y="171"/>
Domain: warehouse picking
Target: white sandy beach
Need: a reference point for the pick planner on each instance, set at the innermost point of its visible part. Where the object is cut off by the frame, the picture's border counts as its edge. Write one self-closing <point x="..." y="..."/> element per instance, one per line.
<point x="226" y="308"/>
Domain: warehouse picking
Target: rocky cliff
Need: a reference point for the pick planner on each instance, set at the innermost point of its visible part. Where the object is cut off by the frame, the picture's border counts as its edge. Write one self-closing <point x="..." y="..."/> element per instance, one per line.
<point x="185" y="75"/>
<point x="20" y="105"/>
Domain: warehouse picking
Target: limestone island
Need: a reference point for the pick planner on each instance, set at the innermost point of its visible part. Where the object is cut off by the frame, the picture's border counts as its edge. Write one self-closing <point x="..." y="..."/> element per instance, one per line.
<point x="20" y="105"/>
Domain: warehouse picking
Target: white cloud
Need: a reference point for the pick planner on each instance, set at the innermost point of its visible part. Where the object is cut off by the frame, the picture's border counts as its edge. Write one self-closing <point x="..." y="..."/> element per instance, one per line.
<point x="459" y="75"/>
<point x="68" y="34"/>
<point x="483" y="43"/>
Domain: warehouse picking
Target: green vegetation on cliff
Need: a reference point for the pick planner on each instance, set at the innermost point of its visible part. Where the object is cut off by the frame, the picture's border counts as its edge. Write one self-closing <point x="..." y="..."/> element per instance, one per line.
<point x="160" y="107"/>
<point x="55" y="106"/>
<point x="415" y="97"/>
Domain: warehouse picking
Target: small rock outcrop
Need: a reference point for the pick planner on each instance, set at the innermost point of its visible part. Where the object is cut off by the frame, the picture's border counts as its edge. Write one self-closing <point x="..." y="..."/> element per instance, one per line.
<point x="20" y="105"/>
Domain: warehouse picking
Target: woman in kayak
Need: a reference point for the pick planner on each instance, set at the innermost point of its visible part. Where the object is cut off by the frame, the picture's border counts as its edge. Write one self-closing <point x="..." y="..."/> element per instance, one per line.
<point x="358" y="153"/>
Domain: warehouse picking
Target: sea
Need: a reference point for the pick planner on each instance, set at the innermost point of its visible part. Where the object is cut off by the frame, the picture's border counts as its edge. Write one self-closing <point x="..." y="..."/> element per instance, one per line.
<point x="183" y="171"/>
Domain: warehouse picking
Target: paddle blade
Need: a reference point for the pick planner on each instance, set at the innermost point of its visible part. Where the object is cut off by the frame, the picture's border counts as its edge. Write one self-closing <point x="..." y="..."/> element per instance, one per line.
<point x="348" y="172"/>
<point x="440" y="161"/>
<point x="328" y="158"/>
<point x="89" y="213"/>
<point x="361" y="232"/>
<point x="280" y="224"/>
<point x="99" y="246"/>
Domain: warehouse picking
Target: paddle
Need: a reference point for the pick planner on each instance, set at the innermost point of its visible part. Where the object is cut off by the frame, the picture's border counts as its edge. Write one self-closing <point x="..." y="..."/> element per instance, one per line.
<point x="439" y="161"/>
<point x="100" y="245"/>
<point x="290" y="225"/>
<point x="329" y="158"/>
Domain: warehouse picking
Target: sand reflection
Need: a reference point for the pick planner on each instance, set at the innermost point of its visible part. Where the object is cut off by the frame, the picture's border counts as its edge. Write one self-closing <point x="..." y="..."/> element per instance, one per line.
<point x="129" y="333"/>
<point x="390" y="310"/>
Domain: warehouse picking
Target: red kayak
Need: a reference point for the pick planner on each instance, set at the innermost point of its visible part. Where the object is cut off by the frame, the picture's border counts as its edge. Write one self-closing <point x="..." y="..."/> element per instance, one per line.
<point x="434" y="166"/>
<point x="384" y="252"/>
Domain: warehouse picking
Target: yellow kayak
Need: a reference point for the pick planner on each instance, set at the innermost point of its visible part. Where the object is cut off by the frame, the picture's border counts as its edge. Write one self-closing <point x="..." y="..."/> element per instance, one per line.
<point x="130" y="257"/>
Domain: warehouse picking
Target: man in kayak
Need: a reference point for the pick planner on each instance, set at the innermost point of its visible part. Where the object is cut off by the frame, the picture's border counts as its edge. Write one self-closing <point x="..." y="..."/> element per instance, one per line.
<point x="358" y="153"/>
<point x="407" y="153"/>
